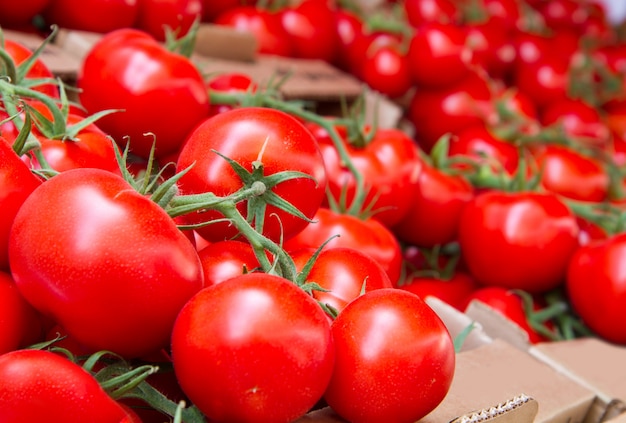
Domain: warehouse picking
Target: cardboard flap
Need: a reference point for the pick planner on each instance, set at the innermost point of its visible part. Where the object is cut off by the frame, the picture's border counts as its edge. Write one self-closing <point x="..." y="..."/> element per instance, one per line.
<point x="498" y="326"/>
<point x="519" y="409"/>
<point x="225" y="42"/>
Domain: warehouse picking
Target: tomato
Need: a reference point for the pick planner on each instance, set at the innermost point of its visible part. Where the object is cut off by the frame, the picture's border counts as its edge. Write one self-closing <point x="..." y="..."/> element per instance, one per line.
<point x="596" y="287"/>
<point x="350" y="28"/>
<point x="438" y="56"/>
<point x="250" y="135"/>
<point x="344" y="273"/>
<point x="394" y="359"/>
<point x="420" y="12"/>
<point x="20" y="321"/>
<point x="437" y="111"/>
<point x="18" y="15"/>
<point x="452" y="290"/>
<point x="386" y="70"/>
<point x="311" y="29"/>
<point x="105" y="262"/>
<point x="366" y="235"/>
<point x="38" y="70"/>
<point x="212" y="9"/>
<point x="437" y="201"/>
<point x="255" y="348"/>
<point x="518" y="240"/>
<point x="39" y="385"/>
<point x="99" y="16"/>
<point x="226" y="259"/>
<point x="507" y="303"/>
<point x="545" y="80"/>
<point x="264" y="25"/>
<point x="581" y="122"/>
<point x="178" y="15"/>
<point x="91" y="147"/>
<point x="17" y="182"/>
<point x="483" y="146"/>
<point x="160" y="92"/>
<point x="388" y="160"/>
<point x="572" y="174"/>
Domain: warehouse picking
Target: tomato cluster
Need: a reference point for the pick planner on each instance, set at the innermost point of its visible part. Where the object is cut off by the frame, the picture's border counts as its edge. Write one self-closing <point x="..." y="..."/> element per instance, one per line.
<point x="194" y="246"/>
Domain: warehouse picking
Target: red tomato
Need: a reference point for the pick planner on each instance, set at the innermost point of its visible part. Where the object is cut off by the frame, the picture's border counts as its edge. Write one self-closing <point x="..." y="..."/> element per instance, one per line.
<point x="38" y="70"/>
<point x="453" y="290"/>
<point x="389" y="164"/>
<point x="92" y="15"/>
<point x="394" y="359"/>
<point x="349" y="27"/>
<point x="39" y="385"/>
<point x="438" y="56"/>
<point x="226" y="259"/>
<point x="20" y="321"/>
<point x="230" y="82"/>
<point x="91" y="147"/>
<point x="545" y="80"/>
<point x="250" y="135"/>
<point x="437" y="201"/>
<point x="255" y="348"/>
<point x="368" y="236"/>
<point x="420" y="12"/>
<point x="17" y="182"/>
<point x="161" y="93"/>
<point x="211" y="9"/>
<point x="178" y="15"/>
<point x="105" y="262"/>
<point x="596" y="287"/>
<point x="20" y="14"/>
<point x="344" y="273"/>
<point x="435" y="112"/>
<point x="518" y="240"/>
<point x="571" y="174"/>
<point x="581" y="122"/>
<point x="264" y="25"/>
<point x="507" y="303"/>
<point x="386" y="70"/>
<point x="311" y="30"/>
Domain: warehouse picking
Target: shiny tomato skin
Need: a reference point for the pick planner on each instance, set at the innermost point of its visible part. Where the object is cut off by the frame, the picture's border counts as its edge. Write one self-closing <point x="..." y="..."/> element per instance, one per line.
<point x="344" y="273"/>
<point x="437" y="201"/>
<point x="255" y="348"/>
<point x="518" y="240"/>
<point x="596" y="287"/>
<point x="20" y="14"/>
<point x="17" y="182"/>
<point x="246" y="135"/>
<point x="39" y="385"/>
<point x="105" y="262"/>
<point x="452" y="290"/>
<point x="99" y="16"/>
<point x="226" y="259"/>
<point x="572" y="174"/>
<point x="129" y="70"/>
<point x="386" y="70"/>
<point x="394" y="359"/>
<point x="20" y="321"/>
<point x="178" y="15"/>
<point x="367" y="235"/>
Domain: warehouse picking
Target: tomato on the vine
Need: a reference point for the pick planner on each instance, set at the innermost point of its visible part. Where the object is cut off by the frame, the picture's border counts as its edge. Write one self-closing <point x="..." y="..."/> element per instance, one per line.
<point x="254" y="348"/>
<point x="99" y="16"/>
<point x="394" y="358"/>
<point x="104" y="261"/>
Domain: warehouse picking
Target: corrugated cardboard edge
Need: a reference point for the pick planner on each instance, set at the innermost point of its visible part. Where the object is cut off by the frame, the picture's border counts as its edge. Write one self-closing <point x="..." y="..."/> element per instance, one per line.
<point x="519" y="409"/>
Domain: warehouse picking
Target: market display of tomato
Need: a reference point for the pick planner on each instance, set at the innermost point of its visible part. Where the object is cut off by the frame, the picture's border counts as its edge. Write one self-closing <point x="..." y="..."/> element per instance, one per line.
<point x="247" y="256"/>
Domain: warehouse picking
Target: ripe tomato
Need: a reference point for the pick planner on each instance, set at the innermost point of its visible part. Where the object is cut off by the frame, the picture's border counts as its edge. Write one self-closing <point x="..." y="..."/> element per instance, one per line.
<point x="39" y="385"/>
<point x="545" y="80"/>
<point x="105" y="262"/>
<point x="596" y="287"/>
<point x="366" y="235"/>
<point x="386" y="70"/>
<point x="251" y="135"/>
<point x="581" y="122"/>
<point x="453" y="290"/>
<point x="38" y="70"/>
<point x="229" y="82"/>
<point x="389" y="164"/>
<point x="255" y="348"/>
<point x="226" y="259"/>
<point x="437" y="200"/>
<point x="572" y="174"/>
<point x="420" y="12"/>
<point x="178" y="15"/>
<point x="19" y="15"/>
<point x="160" y="92"/>
<point x="507" y="303"/>
<point x="518" y="240"/>
<point x="17" y="182"/>
<point x="20" y="321"/>
<point x="92" y="15"/>
<point x="344" y="273"/>
<point x="394" y="359"/>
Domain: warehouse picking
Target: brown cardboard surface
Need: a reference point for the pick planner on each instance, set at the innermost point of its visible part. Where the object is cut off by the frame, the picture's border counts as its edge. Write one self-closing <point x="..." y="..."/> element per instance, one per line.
<point x="595" y="364"/>
<point x="225" y="42"/>
<point x="498" y="326"/>
<point x="619" y="419"/>
<point x="58" y="60"/>
<point x="498" y="371"/>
